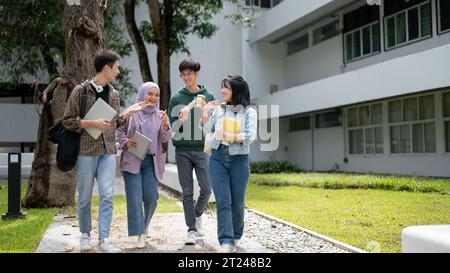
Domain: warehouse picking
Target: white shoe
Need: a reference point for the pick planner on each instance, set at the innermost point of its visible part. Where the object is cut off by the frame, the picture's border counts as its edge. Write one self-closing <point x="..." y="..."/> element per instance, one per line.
<point x="199" y="226"/>
<point x="146" y="233"/>
<point x="227" y="248"/>
<point x="236" y="242"/>
<point x="85" y="242"/>
<point x="191" y="238"/>
<point x="106" y="246"/>
<point x="141" y="241"/>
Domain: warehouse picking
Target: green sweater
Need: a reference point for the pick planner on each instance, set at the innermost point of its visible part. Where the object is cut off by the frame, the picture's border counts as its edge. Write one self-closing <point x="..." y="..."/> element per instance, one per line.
<point x="185" y="141"/>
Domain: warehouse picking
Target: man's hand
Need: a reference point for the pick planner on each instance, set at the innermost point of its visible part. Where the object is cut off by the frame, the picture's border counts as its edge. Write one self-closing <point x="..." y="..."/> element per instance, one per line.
<point x="131" y="144"/>
<point x="101" y="124"/>
<point x="184" y="114"/>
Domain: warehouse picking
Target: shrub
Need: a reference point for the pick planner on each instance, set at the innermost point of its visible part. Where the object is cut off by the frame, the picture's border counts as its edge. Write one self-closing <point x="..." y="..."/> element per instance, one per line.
<point x="273" y="167"/>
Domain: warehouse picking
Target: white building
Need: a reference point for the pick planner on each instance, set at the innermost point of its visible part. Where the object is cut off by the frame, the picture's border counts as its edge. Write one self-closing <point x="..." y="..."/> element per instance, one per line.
<point x="361" y="88"/>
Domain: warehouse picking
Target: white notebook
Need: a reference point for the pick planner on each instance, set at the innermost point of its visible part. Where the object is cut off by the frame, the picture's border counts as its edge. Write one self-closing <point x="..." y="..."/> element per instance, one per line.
<point x="100" y="110"/>
<point x="143" y="143"/>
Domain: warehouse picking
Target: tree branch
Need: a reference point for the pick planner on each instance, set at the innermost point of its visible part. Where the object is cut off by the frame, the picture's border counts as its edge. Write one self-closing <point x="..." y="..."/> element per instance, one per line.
<point x="138" y="42"/>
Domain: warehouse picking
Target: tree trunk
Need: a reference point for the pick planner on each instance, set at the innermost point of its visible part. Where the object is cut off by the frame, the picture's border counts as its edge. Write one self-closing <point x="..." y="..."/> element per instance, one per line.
<point x="83" y="38"/>
<point x="138" y="42"/>
<point x="161" y="32"/>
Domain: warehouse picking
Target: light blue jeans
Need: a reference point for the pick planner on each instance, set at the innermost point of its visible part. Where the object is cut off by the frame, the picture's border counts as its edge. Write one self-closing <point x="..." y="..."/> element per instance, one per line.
<point x="142" y="196"/>
<point x="102" y="168"/>
<point x="229" y="178"/>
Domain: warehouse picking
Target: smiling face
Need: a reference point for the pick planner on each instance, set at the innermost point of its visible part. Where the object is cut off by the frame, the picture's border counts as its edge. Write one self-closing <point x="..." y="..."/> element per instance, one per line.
<point x="152" y="97"/>
<point x="112" y="72"/>
<point x="189" y="78"/>
<point x="227" y="94"/>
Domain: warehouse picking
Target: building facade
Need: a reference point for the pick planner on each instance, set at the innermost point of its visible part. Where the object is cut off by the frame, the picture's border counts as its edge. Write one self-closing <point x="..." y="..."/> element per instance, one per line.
<point x="361" y="88"/>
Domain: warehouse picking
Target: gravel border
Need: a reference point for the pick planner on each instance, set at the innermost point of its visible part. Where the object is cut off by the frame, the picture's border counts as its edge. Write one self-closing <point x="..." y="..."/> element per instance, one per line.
<point x="281" y="236"/>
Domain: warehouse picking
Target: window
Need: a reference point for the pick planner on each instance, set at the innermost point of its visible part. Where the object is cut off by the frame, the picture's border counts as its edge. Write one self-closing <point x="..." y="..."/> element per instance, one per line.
<point x="331" y="119"/>
<point x="412" y="128"/>
<point x="326" y="32"/>
<point x="362" y="32"/>
<point x="263" y="3"/>
<point x="444" y="15"/>
<point x="365" y="130"/>
<point x="300" y="124"/>
<point x="446" y="108"/>
<point x="407" y="22"/>
<point x="298" y="44"/>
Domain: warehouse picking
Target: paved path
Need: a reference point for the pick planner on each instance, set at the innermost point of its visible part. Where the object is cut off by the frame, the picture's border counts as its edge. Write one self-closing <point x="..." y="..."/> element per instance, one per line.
<point x="167" y="233"/>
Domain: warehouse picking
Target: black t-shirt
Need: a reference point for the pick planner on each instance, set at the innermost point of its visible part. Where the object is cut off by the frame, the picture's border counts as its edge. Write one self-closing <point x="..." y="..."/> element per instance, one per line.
<point x="104" y="95"/>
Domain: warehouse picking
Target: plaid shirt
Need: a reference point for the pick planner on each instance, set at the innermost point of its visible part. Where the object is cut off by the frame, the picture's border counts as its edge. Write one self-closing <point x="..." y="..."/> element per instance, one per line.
<point x="71" y="120"/>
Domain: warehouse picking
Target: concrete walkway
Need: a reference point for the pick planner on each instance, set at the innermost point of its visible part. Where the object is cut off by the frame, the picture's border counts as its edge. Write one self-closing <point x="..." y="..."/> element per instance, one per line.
<point x="167" y="233"/>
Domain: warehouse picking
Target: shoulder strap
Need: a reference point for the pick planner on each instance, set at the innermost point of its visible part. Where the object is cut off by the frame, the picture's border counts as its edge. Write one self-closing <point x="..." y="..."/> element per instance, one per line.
<point x="83" y="100"/>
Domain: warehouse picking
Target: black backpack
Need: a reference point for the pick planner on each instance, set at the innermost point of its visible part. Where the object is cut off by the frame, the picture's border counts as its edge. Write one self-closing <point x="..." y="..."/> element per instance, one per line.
<point x="68" y="141"/>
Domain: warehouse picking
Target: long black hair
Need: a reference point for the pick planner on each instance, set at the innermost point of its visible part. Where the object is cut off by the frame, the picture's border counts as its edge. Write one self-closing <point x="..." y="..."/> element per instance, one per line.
<point x="240" y="92"/>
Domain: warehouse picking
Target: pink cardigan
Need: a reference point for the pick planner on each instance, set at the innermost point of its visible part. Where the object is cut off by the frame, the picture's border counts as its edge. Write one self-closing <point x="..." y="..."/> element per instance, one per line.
<point x="131" y="163"/>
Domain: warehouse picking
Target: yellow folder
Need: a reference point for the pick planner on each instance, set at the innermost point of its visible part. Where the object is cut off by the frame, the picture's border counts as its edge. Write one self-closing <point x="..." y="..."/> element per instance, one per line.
<point x="231" y="125"/>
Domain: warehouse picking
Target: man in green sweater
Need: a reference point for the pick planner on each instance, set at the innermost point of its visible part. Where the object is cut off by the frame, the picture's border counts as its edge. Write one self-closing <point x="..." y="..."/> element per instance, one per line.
<point x="185" y="112"/>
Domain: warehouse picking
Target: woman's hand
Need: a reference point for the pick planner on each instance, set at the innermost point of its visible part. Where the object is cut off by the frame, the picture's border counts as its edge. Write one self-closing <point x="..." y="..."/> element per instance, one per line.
<point x="211" y="105"/>
<point x="131" y="144"/>
<point x="134" y="108"/>
<point x="164" y="119"/>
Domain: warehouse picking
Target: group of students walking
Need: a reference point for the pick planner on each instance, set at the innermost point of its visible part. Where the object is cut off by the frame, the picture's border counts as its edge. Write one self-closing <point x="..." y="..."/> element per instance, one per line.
<point x="193" y="113"/>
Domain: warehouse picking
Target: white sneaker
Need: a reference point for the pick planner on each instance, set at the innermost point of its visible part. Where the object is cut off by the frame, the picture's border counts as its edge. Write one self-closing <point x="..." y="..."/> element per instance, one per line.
<point x="199" y="226"/>
<point x="191" y="238"/>
<point x="85" y="242"/>
<point x="141" y="241"/>
<point x="236" y="242"/>
<point x="106" y="246"/>
<point x="227" y="248"/>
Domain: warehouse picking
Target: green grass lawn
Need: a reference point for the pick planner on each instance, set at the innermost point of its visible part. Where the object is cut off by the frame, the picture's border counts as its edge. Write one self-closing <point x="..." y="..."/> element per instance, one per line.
<point x="22" y="235"/>
<point x="354" y="181"/>
<point x="25" y="235"/>
<point x="364" y="218"/>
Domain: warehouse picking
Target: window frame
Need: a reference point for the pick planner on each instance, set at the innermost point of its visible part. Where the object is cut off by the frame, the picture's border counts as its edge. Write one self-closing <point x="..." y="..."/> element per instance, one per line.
<point x="296" y="38"/>
<point x="336" y="22"/>
<point x="438" y="18"/>
<point x="364" y="128"/>
<point x="444" y="121"/>
<point x="362" y="56"/>
<point x="411" y="124"/>
<point x="405" y="11"/>
<point x="300" y="117"/>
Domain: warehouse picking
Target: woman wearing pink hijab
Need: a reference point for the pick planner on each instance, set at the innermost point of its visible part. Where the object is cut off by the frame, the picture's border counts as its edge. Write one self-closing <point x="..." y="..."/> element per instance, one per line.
<point x="141" y="176"/>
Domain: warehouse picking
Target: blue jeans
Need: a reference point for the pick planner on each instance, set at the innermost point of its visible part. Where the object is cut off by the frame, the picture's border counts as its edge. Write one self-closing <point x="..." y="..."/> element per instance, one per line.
<point x="229" y="178"/>
<point x="141" y="190"/>
<point x="102" y="168"/>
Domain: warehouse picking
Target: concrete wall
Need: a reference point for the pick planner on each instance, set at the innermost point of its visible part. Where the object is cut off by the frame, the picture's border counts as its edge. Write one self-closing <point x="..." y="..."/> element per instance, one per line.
<point x="318" y="62"/>
<point x="18" y="122"/>
<point x="404" y="75"/>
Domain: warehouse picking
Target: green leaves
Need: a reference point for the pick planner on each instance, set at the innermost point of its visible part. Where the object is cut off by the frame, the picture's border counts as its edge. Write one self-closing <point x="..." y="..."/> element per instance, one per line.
<point x="28" y="30"/>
